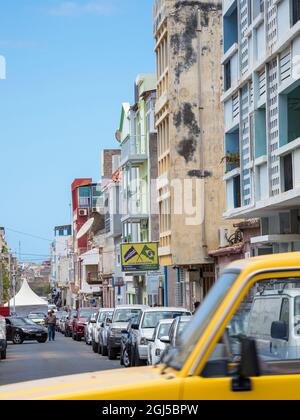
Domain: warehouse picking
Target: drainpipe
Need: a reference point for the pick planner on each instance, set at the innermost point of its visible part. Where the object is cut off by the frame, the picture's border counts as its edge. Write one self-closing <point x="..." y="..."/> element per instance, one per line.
<point x="166" y="290"/>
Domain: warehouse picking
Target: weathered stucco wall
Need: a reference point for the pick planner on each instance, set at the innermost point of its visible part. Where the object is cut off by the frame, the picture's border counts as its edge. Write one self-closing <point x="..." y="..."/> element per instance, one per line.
<point x="196" y="120"/>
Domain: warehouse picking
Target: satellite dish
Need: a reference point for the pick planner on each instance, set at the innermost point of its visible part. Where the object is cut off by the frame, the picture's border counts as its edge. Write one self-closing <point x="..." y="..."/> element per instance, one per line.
<point x="85" y="228"/>
<point x="118" y="136"/>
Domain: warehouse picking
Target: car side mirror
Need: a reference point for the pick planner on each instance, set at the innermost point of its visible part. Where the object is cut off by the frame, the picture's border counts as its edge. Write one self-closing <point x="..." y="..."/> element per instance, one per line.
<point x="93" y="321"/>
<point x="102" y="325"/>
<point x="135" y="326"/>
<point x="279" y="330"/>
<point x="248" y="367"/>
<point x="165" y="339"/>
<point x="109" y="321"/>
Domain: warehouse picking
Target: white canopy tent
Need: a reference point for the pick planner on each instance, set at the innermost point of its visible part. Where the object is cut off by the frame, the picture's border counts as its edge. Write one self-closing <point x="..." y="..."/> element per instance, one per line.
<point x="27" y="301"/>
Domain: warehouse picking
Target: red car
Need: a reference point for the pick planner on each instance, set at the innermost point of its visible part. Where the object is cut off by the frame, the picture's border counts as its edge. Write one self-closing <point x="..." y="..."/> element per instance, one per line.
<point x="79" y="322"/>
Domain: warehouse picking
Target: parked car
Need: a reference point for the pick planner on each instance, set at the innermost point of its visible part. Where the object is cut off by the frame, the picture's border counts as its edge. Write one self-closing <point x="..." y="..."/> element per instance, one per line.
<point x="144" y="330"/>
<point x="59" y="315"/>
<point x="69" y="322"/>
<point x="80" y="320"/>
<point x="52" y="307"/>
<point x="122" y="315"/>
<point x="62" y="323"/>
<point x="100" y="331"/>
<point x="3" y="342"/>
<point x="155" y="346"/>
<point x="126" y="344"/>
<point x="195" y="370"/>
<point x="37" y="317"/>
<point x="20" y="329"/>
<point x="88" y="329"/>
<point x="171" y="340"/>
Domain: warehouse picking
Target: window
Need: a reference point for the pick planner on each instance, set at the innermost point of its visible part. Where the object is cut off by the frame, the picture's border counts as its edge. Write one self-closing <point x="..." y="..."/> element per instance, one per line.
<point x="227" y="78"/>
<point x="265" y="315"/>
<point x="287" y="172"/>
<point x="237" y="191"/>
<point x="295" y="11"/>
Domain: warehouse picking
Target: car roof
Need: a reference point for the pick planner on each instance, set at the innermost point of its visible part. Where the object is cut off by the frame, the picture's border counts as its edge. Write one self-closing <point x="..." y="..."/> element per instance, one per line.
<point x="165" y="321"/>
<point x="274" y="261"/>
<point x="106" y="309"/>
<point x="166" y="309"/>
<point x="185" y="318"/>
<point x="132" y="307"/>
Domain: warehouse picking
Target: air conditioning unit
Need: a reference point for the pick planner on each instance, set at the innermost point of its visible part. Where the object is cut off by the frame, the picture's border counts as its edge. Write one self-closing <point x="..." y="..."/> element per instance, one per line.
<point x="223" y="237"/>
<point x="83" y="212"/>
<point x="144" y="224"/>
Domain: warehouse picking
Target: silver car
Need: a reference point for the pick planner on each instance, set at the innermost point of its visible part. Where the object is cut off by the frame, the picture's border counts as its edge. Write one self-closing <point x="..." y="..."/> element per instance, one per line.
<point x="102" y="315"/>
<point x="103" y="333"/>
<point x="143" y="331"/>
<point x="88" y="328"/>
<point x="122" y="315"/>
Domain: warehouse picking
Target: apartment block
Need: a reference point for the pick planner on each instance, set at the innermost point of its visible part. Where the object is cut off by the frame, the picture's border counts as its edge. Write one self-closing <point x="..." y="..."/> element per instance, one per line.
<point x="262" y="109"/>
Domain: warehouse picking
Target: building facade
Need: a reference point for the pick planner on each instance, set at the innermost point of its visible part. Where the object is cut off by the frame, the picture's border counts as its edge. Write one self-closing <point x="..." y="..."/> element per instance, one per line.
<point x="189" y="121"/>
<point x="140" y="223"/>
<point x="262" y="109"/>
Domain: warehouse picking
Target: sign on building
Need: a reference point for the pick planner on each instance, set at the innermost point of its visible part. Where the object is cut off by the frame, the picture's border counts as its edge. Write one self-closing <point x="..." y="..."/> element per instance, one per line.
<point x="140" y="257"/>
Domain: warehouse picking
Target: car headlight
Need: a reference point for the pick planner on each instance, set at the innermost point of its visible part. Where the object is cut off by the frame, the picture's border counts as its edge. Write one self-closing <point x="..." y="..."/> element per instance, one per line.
<point x="143" y="341"/>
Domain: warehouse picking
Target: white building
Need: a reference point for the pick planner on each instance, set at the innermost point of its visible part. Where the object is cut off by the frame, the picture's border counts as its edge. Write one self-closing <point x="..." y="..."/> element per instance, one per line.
<point x="262" y="113"/>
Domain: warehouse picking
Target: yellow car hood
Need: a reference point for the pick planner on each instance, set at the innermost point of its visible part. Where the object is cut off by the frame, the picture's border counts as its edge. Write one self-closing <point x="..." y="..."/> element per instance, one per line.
<point x="122" y="384"/>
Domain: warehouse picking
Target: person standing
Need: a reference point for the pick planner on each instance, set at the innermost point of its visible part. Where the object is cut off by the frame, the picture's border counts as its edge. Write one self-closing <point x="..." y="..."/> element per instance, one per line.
<point x="51" y="322"/>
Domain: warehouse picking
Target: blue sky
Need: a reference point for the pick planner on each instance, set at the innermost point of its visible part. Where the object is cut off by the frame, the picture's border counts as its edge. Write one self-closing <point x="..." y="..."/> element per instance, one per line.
<point x="70" y="65"/>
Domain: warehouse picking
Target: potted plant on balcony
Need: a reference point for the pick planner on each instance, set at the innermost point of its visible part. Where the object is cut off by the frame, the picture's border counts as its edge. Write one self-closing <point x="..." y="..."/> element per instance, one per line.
<point x="232" y="160"/>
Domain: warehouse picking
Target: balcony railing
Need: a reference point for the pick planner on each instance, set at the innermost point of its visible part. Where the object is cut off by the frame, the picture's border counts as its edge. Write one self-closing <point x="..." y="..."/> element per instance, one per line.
<point x="133" y="151"/>
<point x="93" y="278"/>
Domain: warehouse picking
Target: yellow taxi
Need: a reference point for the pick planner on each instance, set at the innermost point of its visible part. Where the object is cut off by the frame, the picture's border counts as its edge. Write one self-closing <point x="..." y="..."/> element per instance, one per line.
<point x="242" y="343"/>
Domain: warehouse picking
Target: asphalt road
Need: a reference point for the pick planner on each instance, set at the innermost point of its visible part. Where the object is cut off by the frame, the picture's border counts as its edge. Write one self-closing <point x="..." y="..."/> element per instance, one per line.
<point x="31" y="360"/>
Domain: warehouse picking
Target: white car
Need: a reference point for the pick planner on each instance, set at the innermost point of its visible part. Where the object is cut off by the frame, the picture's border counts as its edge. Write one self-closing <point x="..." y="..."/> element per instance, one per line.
<point x="144" y="330"/>
<point x="155" y="346"/>
<point x="102" y="315"/>
<point x="52" y="307"/>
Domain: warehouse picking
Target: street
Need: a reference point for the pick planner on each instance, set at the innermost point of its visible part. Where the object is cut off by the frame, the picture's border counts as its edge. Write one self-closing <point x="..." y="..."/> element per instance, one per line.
<point x="64" y="356"/>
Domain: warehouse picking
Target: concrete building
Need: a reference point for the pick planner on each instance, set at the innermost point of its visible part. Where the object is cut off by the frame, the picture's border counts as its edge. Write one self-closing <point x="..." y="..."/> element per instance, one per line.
<point x="189" y="121"/>
<point x="61" y="268"/>
<point x="262" y="109"/>
<point x="140" y="223"/>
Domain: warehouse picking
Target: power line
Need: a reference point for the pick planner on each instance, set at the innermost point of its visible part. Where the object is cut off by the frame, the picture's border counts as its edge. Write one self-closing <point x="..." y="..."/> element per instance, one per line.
<point x="33" y="236"/>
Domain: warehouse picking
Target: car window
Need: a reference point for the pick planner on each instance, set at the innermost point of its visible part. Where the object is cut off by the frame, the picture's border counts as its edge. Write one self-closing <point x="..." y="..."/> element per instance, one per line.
<point x="125" y="315"/>
<point x="265" y="317"/>
<point x="164" y="330"/>
<point x="151" y="319"/>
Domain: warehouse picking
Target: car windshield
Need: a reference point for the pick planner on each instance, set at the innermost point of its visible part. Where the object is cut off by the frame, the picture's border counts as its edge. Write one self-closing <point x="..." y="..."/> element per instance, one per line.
<point x="86" y="313"/>
<point x="151" y="319"/>
<point x="164" y="330"/>
<point x="22" y="322"/>
<point x="125" y="315"/>
<point x="200" y="320"/>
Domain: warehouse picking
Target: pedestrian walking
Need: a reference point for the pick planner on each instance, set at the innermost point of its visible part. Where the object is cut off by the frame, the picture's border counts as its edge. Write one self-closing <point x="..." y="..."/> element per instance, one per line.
<point x="51" y="322"/>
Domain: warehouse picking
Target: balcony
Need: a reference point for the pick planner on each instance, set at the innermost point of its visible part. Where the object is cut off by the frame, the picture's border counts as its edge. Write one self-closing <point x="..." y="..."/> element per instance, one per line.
<point x="133" y="152"/>
<point x="136" y="208"/>
<point x="93" y="279"/>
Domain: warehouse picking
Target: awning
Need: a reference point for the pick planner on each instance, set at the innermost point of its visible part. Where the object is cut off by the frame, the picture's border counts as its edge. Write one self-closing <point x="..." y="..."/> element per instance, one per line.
<point x="91" y="257"/>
